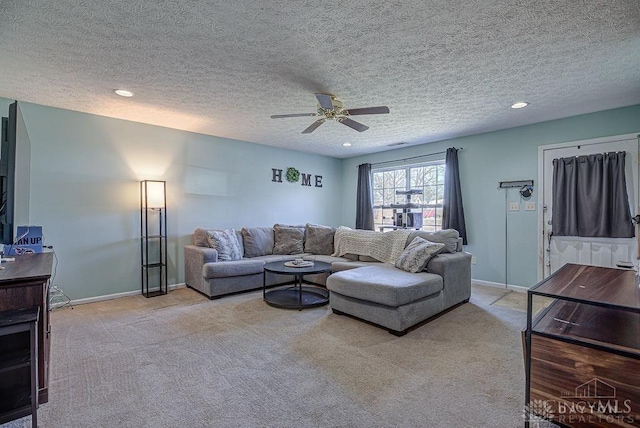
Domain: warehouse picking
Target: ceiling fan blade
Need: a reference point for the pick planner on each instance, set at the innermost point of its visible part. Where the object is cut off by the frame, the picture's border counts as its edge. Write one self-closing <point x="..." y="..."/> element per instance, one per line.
<point x="325" y="101"/>
<point x="368" y="110"/>
<point x="281" y="116"/>
<point x="353" y="124"/>
<point x="314" y="125"/>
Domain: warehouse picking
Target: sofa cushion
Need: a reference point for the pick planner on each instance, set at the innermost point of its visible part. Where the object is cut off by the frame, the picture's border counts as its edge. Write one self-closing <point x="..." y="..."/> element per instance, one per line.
<point x="288" y="239"/>
<point x="258" y="241"/>
<point x="448" y="237"/>
<point x="367" y="259"/>
<point x="319" y="239"/>
<point x="384" y="284"/>
<point x="277" y="257"/>
<point x="200" y="237"/>
<point x="232" y="268"/>
<point x="340" y="266"/>
<point x="415" y="257"/>
<point x="323" y="258"/>
<point x="240" y="243"/>
<point x="299" y="226"/>
<point x="225" y="242"/>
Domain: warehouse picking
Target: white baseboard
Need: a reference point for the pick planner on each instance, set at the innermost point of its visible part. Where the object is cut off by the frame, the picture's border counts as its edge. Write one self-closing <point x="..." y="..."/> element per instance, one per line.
<point x="518" y="288"/>
<point x="119" y="295"/>
<point x="176" y="286"/>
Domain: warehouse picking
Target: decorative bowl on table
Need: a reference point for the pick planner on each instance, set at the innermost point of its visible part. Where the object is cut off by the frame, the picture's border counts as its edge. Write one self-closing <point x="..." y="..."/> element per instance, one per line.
<point x="298" y="264"/>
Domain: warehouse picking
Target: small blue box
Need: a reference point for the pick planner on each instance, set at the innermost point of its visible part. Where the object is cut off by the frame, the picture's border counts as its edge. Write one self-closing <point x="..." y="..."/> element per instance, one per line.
<point x="28" y="241"/>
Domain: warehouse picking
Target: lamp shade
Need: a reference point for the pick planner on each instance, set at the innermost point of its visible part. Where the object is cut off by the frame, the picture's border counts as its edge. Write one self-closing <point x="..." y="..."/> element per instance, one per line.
<point x="152" y="193"/>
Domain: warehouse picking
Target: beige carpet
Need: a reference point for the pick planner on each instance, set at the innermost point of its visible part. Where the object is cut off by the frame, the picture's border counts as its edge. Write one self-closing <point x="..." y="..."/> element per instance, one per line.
<point x="518" y="301"/>
<point x="182" y="360"/>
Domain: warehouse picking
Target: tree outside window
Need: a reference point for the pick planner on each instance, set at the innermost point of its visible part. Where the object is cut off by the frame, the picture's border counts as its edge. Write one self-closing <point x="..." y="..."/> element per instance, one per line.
<point x="426" y="177"/>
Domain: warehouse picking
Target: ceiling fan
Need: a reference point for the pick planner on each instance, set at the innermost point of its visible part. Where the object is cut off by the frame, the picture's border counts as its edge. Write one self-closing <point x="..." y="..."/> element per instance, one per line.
<point x="329" y="108"/>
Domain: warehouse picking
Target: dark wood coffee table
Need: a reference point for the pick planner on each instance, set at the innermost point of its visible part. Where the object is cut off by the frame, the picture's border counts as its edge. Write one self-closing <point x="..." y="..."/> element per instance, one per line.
<point x="295" y="296"/>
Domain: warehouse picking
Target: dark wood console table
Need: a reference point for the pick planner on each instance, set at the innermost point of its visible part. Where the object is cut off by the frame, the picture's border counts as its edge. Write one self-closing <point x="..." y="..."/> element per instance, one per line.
<point x="24" y="283"/>
<point x="582" y="351"/>
<point x="18" y="365"/>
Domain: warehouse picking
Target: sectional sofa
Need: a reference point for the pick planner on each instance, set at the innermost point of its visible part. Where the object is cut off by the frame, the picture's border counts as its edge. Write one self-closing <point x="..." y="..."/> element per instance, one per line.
<point x="365" y="282"/>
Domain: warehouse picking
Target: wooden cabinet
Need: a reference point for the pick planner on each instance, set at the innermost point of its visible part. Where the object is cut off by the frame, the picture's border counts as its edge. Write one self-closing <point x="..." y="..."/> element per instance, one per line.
<point x="24" y="284"/>
<point x="582" y="350"/>
<point x="18" y="364"/>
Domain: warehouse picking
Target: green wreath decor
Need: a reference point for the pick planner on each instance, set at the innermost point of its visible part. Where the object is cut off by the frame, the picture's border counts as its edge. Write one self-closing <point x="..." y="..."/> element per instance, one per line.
<point x="293" y="175"/>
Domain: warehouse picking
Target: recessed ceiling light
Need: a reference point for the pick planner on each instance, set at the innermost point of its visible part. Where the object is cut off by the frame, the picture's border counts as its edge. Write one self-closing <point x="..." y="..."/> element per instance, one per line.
<point x="123" y="93"/>
<point x="520" y="104"/>
<point x="346" y="144"/>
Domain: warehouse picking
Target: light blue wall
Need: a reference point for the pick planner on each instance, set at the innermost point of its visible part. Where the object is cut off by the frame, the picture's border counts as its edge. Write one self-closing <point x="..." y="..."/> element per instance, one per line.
<point x="84" y="191"/>
<point x="4" y="107"/>
<point x="488" y="158"/>
<point x="85" y="171"/>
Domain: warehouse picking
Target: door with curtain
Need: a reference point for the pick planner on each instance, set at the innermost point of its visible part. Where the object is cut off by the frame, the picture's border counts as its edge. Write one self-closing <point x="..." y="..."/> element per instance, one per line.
<point x="559" y="250"/>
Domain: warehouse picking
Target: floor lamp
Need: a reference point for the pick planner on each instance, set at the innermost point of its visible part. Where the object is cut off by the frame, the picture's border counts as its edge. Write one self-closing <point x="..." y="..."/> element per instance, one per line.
<point x="153" y="237"/>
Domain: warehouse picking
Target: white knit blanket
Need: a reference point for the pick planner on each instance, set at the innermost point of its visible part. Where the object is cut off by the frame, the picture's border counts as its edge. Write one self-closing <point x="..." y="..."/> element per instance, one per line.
<point x="385" y="247"/>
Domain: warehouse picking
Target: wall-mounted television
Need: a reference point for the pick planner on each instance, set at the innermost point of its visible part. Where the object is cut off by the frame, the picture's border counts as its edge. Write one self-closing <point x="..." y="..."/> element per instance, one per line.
<point x="8" y="173"/>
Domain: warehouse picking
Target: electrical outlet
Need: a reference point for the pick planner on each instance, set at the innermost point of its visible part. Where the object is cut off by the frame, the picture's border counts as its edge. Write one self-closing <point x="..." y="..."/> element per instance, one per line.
<point x="514" y="206"/>
<point x="473" y="260"/>
<point x="530" y="206"/>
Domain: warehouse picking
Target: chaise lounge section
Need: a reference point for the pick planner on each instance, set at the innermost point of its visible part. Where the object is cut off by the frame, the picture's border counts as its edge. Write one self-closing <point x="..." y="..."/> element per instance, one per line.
<point x="398" y="300"/>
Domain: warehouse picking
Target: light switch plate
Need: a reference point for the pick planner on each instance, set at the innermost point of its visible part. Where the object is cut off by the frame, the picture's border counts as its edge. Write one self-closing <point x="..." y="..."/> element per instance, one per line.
<point x="530" y="206"/>
<point x="514" y="206"/>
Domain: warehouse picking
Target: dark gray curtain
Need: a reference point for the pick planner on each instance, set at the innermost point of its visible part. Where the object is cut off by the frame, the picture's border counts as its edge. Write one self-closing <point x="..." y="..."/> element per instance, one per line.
<point x="452" y="210"/>
<point x="590" y="197"/>
<point x="364" y="199"/>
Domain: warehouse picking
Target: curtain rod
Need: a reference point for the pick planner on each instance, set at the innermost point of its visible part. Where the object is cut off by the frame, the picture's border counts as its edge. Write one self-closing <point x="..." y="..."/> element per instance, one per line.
<point x="412" y="157"/>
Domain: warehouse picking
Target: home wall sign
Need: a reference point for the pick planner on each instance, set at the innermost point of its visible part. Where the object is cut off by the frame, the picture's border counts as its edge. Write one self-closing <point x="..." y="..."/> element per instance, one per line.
<point x="292" y="175"/>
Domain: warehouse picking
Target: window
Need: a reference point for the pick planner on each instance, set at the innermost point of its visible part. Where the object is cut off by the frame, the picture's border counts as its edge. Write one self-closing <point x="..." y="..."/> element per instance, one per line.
<point x="428" y="177"/>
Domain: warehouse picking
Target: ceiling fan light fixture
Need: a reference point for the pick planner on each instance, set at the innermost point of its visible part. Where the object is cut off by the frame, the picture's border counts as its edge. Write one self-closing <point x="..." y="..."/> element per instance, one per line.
<point x="329" y="108"/>
<point x="124" y="93"/>
<point x="519" y="104"/>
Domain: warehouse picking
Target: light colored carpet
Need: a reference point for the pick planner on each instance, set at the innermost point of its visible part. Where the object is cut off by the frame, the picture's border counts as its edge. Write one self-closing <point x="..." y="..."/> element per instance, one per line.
<point x="182" y="360"/>
<point x="518" y="301"/>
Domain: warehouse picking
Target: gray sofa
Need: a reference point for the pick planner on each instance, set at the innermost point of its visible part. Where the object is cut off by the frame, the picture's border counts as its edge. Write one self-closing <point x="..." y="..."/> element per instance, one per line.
<point x="359" y="285"/>
<point x="214" y="278"/>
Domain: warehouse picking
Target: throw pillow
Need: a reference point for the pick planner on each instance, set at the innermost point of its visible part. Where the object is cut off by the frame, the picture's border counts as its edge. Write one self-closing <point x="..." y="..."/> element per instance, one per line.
<point x="258" y="241"/>
<point x="417" y="254"/>
<point x="288" y="240"/>
<point x="226" y="243"/>
<point x="448" y="237"/>
<point x="319" y="239"/>
<point x="201" y="237"/>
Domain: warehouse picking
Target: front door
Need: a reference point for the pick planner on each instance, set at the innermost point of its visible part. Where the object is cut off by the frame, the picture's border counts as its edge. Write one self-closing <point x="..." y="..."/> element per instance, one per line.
<point x="558" y="250"/>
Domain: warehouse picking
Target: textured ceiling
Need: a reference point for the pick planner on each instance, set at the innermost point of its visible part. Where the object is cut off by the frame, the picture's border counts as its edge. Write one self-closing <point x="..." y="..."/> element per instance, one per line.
<point x="445" y="68"/>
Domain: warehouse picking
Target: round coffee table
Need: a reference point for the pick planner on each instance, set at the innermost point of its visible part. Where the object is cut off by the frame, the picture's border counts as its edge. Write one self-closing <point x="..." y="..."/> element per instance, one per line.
<point x="296" y="296"/>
